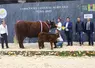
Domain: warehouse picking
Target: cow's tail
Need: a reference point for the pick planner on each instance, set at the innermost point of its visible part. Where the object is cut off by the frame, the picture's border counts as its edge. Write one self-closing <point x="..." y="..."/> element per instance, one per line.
<point x="16" y="30"/>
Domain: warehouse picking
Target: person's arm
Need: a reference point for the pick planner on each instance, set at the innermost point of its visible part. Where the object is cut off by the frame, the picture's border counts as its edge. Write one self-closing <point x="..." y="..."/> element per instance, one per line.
<point x="76" y="27"/>
<point x="64" y="24"/>
<point x="0" y="31"/>
<point x="83" y="27"/>
<point x="6" y="30"/>
<point x="92" y="27"/>
<point x="70" y="25"/>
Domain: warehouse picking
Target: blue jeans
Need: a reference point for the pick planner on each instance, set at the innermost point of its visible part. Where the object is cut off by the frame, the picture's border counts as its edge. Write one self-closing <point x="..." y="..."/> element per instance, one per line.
<point x="80" y="37"/>
<point x="59" y="43"/>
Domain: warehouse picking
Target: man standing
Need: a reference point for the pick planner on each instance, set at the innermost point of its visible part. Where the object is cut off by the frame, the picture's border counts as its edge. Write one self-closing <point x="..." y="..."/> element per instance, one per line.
<point x="4" y="33"/>
<point x="68" y="31"/>
<point x="79" y="30"/>
<point x="89" y="29"/>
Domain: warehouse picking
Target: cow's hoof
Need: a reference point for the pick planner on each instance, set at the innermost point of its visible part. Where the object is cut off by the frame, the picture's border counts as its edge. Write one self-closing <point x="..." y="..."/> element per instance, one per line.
<point x="51" y="48"/>
<point x="43" y="47"/>
<point x="55" y="47"/>
<point x="22" y="47"/>
<point x="40" y="48"/>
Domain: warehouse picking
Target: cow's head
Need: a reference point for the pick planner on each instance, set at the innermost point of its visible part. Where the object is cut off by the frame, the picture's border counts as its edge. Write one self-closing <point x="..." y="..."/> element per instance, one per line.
<point x="51" y="23"/>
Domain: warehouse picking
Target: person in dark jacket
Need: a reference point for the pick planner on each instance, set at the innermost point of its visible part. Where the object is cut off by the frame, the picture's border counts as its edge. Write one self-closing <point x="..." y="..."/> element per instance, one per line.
<point x="79" y="30"/>
<point x="68" y="31"/>
<point x="89" y="30"/>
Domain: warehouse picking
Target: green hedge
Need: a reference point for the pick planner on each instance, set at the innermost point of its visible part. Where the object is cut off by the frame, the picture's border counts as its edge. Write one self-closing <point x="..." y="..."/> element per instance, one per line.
<point x="77" y="53"/>
<point x="45" y="53"/>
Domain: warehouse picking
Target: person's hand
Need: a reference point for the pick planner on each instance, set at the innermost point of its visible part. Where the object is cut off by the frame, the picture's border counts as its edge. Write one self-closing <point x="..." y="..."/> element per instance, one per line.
<point x="49" y="30"/>
<point x="0" y="36"/>
<point x="67" y="29"/>
<point x="93" y="32"/>
<point x="76" y="33"/>
<point x="83" y="32"/>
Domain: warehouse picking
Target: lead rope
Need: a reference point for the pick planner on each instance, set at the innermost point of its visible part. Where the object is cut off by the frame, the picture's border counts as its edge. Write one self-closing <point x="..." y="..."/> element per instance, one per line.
<point x="47" y="25"/>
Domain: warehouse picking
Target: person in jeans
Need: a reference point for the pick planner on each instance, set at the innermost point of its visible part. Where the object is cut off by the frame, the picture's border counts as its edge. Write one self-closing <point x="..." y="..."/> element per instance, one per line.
<point x="59" y="41"/>
<point x="59" y="29"/>
<point x="79" y="30"/>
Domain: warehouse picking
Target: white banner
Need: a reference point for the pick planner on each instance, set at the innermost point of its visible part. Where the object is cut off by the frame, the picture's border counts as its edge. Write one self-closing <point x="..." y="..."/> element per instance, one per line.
<point x="88" y="16"/>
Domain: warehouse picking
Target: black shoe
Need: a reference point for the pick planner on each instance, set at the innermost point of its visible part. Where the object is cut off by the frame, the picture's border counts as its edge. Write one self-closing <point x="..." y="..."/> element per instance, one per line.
<point x="89" y="44"/>
<point x="7" y="47"/>
<point x="80" y="44"/>
<point x="92" y="45"/>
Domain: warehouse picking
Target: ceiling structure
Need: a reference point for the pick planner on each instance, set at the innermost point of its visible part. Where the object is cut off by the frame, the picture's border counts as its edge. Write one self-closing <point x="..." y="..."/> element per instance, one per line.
<point x="23" y="1"/>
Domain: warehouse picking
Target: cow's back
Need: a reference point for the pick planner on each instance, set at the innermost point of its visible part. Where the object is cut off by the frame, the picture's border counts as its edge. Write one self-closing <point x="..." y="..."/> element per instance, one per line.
<point x="21" y="28"/>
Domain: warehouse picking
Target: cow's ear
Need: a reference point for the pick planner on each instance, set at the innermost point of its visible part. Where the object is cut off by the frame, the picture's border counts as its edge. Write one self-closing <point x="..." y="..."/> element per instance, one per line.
<point x="53" y="19"/>
<point x="50" y="21"/>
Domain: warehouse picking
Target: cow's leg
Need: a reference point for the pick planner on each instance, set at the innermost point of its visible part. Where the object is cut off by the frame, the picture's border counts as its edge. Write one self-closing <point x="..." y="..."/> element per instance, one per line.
<point x="51" y="45"/>
<point x="21" y="45"/>
<point x="20" y="41"/>
<point x="55" y="46"/>
<point x="39" y="44"/>
<point x="43" y="45"/>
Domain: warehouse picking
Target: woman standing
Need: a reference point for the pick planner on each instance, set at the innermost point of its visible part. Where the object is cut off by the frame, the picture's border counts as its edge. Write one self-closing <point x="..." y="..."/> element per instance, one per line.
<point x="4" y="34"/>
<point x="59" y="28"/>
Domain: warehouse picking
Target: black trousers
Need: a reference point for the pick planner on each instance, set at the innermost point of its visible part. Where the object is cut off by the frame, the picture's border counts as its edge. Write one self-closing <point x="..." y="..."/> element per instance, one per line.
<point x="90" y="37"/>
<point x="69" y="37"/>
<point x="4" y="39"/>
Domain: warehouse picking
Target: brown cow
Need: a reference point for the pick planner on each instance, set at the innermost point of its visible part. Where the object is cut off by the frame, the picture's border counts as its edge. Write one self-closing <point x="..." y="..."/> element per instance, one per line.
<point x="31" y="29"/>
<point x="47" y="37"/>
